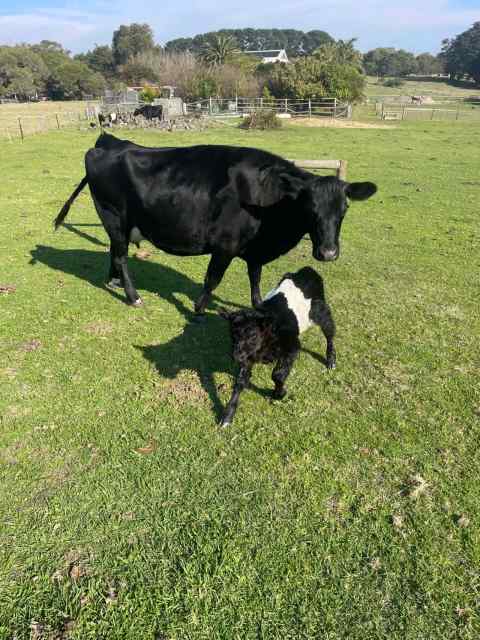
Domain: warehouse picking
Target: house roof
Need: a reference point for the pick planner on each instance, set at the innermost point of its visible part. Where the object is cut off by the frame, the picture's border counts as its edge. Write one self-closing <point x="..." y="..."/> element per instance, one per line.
<point x="272" y="53"/>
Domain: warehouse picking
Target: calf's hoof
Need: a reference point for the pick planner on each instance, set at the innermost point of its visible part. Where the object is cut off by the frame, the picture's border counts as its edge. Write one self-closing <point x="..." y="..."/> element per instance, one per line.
<point x="279" y="394"/>
<point x="331" y="364"/>
<point x="225" y="423"/>
<point x="137" y="303"/>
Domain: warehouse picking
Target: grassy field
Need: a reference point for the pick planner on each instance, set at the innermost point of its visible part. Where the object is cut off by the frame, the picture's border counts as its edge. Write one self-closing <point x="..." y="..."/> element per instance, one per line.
<point x="39" y="116"/>
<point x="423" y="87"/>
<point x="349" y="510"/>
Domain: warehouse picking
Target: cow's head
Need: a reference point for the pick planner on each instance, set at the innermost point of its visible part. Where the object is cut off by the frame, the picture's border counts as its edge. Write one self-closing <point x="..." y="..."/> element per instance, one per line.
<point x="329" y="202"/>
<point x="323" y="203"/>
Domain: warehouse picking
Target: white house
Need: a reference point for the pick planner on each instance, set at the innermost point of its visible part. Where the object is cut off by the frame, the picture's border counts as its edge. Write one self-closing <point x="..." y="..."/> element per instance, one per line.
<point x="272" y="55"/>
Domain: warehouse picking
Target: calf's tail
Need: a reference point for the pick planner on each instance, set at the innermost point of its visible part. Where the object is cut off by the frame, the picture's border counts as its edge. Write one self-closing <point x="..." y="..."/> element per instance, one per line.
<point x="66" y="207"/>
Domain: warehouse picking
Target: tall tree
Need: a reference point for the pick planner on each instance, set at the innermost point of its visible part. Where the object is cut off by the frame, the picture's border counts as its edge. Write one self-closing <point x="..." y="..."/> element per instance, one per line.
<point x="219" y="50"/>
<point x="462" y="54"/>
<point x="100" y="59"/>
<point x="296" y="43"/>
<point x="428" y="65"/>
<point x="340" y="52"/>
<point x="130" y="40"/>
<point x="389" y="62"/>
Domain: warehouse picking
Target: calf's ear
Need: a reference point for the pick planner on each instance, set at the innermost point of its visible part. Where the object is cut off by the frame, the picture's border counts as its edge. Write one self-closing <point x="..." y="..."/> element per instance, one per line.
<point x="360" y="190"/>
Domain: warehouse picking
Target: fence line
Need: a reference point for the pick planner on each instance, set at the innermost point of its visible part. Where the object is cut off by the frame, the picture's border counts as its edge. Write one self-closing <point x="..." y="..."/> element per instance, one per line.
<point x="21" y="126"/>
<point x="407" y="112"/>
<point x="239" y="106"/>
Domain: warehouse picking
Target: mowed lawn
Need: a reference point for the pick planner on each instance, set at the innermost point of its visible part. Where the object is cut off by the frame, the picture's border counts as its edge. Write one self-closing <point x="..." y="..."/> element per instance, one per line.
<point x="348" y="510"/>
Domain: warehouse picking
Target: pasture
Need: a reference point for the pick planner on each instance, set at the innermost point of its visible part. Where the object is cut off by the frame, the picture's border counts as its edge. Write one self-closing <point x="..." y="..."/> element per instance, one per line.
<point x="348" y="510"/>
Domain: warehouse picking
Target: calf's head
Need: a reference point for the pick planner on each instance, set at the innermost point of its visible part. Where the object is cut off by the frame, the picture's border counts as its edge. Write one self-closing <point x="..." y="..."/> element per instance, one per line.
<point x="329" y="202"/>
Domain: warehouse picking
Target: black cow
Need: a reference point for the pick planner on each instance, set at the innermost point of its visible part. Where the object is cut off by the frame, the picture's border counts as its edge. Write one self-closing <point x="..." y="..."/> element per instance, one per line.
<point x="210" y="199"/>
<point x="270" y="333"/>
<point x="149" y="111"/>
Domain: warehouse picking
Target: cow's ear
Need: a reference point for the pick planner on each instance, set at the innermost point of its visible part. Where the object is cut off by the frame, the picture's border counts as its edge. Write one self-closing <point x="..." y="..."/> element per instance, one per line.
<point x="291" y="185"/>
<point x="360" y="190"/>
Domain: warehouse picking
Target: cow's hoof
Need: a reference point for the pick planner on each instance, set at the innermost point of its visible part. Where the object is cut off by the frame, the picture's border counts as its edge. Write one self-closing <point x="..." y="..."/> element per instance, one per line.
<point x="331" y="364"/>
<point x="199" y="318"/>
<point x="137" y="303"/>
<point x="115" y="283"/>
<point x="224" y="424"/>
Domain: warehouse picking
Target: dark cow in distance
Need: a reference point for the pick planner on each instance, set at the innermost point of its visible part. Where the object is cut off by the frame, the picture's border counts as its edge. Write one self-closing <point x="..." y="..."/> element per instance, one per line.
<point x="149" y="111"/>
<point x="210" y="199"/>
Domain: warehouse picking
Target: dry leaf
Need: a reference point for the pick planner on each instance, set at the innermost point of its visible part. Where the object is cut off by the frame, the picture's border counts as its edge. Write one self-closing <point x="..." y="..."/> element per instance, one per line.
<point x="397" y="521"/>
<point x="30" y="345"/>
<point x="418" y="486"/>
<point x="150" y="448"/>
<point x="143" y="254"/>
<point x="77" y="571"/>
<point x="7" y="288"/>
<point x="463" y="521"/>
<point x="375" y="564"/>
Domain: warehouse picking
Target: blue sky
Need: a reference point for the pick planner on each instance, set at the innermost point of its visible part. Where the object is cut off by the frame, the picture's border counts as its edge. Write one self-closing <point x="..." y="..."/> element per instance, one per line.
<point x="416" y="25"/>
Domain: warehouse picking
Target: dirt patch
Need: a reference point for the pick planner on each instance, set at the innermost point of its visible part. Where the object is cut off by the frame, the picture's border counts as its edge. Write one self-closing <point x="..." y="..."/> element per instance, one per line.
<point x="100" y="328"/>
<point x="341" y="124"/>
<point x="30" y="345"/>
<point x="186" y="387"/>
<point x="7" y="288"/>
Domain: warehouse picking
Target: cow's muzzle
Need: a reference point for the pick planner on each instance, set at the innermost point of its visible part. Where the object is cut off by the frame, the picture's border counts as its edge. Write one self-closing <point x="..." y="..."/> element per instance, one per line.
<point x="325" y="255"/>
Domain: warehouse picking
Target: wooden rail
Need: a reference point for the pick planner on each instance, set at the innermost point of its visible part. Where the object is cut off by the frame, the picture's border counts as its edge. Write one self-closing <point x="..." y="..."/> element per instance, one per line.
<point x="339" y="166"/>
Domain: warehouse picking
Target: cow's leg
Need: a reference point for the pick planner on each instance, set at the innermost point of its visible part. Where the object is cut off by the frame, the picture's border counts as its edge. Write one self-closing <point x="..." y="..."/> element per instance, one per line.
<point x="322" y="315"/>
<point x="217" y="266"/>
<point x="241" y="383"/>
<point x="114" y="276"/>
<point x="254" y="275"/>
<point x="281" y="371"/>
<point x="120" y="257"/>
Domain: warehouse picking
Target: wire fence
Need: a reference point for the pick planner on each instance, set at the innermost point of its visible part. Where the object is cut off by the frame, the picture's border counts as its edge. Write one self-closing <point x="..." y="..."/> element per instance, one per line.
<point x="17" y="126"/>
<point x="286" y="107"/>
<point x="425" y="112"/>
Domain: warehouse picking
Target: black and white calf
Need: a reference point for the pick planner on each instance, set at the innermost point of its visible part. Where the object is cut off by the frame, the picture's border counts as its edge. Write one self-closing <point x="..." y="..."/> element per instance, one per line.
<point x="270" y="332"/>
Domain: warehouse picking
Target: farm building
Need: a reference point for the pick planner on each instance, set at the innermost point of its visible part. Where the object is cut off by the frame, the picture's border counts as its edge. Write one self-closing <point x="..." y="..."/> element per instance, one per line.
<point x="272" y="55"/>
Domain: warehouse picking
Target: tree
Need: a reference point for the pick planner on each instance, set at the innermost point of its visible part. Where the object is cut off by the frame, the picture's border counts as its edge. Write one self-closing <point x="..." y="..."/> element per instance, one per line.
<point x="22" y="72"/>
<point x="100" y="59"/>
<point x="428" y="65"/>
<point x="73" y="80"/>
<point x="340" y="52"/>
<point x="389" y="62"/>
<point x="219" y="50"/>
<point x="296" y="43"/>
<point x="130" y="40"/>
<point x="309" y="77"/>
<point x="462" y="54"/>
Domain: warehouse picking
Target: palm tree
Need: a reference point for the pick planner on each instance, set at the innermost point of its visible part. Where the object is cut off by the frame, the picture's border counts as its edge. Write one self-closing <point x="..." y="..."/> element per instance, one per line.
<point x="219" y="50"/>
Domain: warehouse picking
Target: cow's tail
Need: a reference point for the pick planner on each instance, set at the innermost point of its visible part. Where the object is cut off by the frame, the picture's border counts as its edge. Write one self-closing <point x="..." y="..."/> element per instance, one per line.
<point x="66" y="207"/>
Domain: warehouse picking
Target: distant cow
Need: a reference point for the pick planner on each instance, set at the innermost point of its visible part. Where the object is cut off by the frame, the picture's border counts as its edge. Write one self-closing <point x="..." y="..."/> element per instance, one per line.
<point x="210" y="199"/>
<point x="149" y="111"/>
<point x="106" y="120"/>
<point x="270" y="333"/>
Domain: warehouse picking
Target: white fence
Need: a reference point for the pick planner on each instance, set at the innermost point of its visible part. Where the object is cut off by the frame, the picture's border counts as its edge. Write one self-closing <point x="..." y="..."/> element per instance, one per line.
<point x="234" y="107"/>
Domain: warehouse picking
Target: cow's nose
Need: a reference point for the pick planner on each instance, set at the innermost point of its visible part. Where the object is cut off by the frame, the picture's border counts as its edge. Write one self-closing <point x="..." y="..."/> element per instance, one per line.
<point x="329" y="254"/>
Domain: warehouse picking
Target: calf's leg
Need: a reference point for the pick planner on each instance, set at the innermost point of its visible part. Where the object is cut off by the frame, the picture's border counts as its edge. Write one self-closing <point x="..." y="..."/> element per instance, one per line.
<point x="322" y="315"/>
<point x="254" y="275"/>
<point x="242" y="381"/>
<point x="281" y="371"/>
<point x="114" y="276"/>
<point x="217" y="266"/>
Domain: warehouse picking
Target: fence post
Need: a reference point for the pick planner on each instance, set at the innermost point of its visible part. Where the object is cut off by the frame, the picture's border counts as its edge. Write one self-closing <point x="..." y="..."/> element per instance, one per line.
<point x="342" y="170"/>
<point x="58" y="121"/>
<point x="309" y="108"/>
<point x="403" y="112"/>
<point x="433" y="113"/>
<point x="335" y="109"/>
<point x="210" y="105"/>
<point x="458" y="113"/>
<point x="20" y="127"/>
<point x="286" y="105"/>
<point x="236" y="103"/>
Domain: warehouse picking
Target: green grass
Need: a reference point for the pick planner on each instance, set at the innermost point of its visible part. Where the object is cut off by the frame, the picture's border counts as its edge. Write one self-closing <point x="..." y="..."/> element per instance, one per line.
<point x="422" y="86"/>
<point x="125" y="513"/>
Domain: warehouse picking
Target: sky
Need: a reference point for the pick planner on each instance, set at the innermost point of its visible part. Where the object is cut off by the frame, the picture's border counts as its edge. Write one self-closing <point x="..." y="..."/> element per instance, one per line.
<point x="415" y="25"/>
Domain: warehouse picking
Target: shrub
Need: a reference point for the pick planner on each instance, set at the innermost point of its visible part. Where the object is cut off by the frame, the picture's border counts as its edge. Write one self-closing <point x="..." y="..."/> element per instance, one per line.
<point x="393" y="82"/>
<point x="263" y="119"/>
